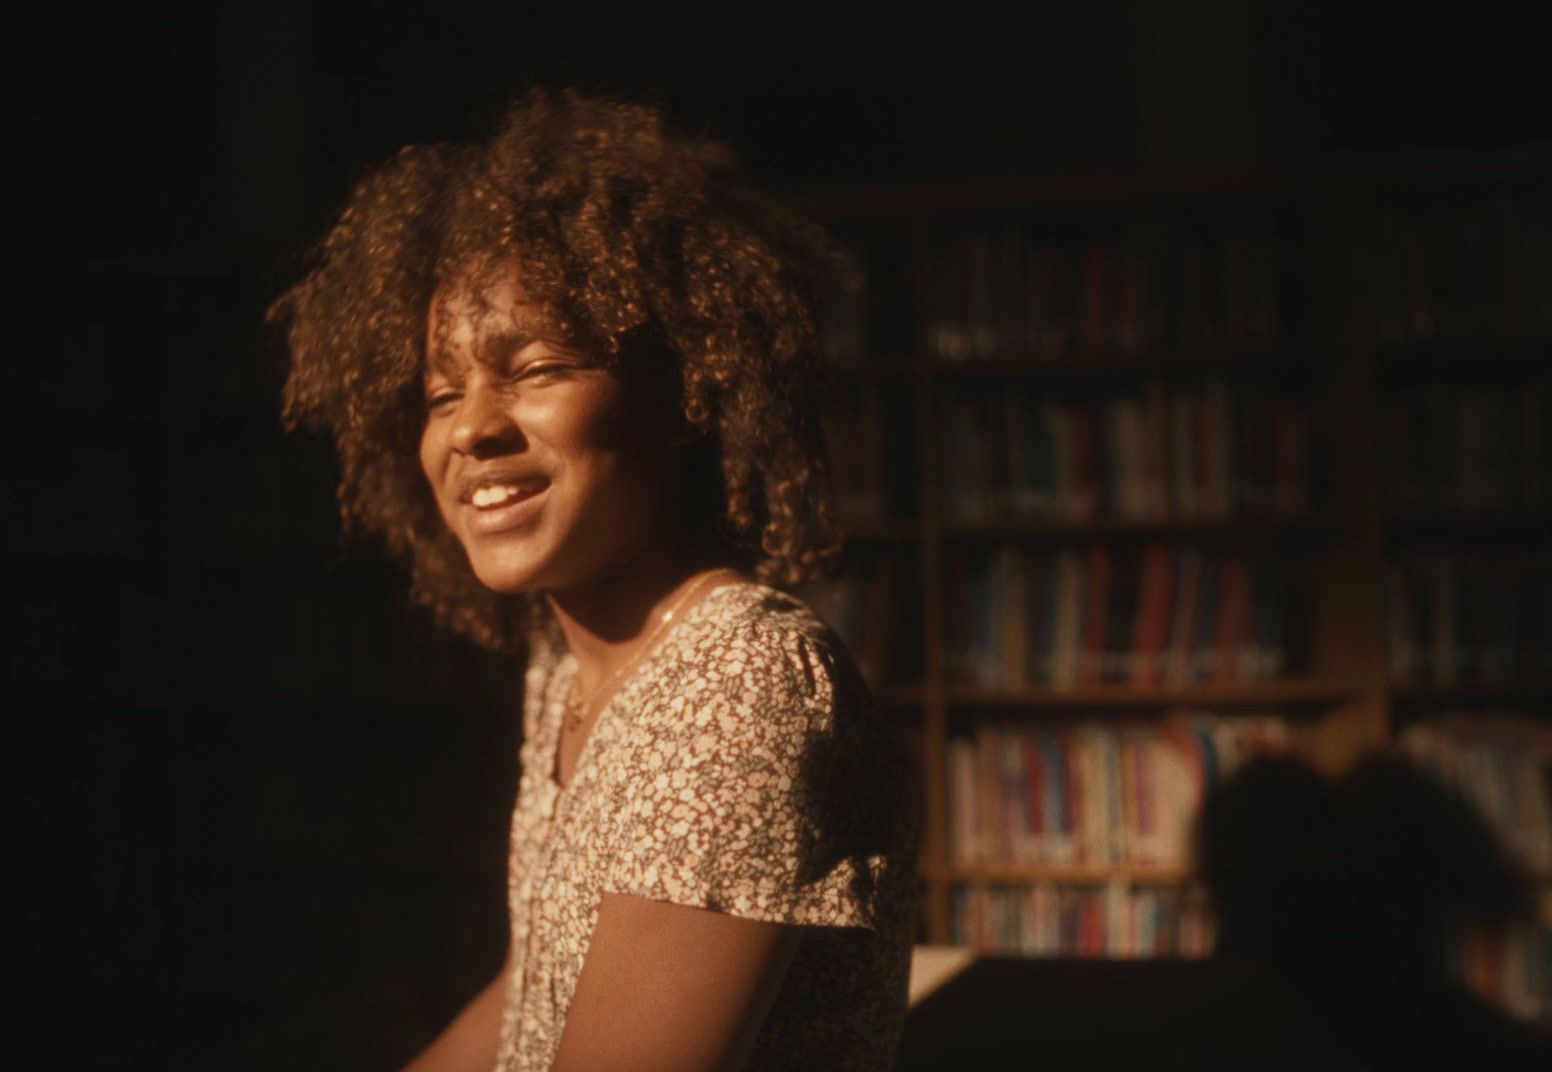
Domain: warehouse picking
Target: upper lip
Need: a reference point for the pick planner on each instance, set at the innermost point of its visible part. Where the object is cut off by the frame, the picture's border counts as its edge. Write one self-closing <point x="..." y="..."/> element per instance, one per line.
<point x="471" y="483"/>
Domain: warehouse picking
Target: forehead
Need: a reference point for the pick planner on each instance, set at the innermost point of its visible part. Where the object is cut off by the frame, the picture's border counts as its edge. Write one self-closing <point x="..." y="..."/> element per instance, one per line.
<point x="475" y="315"/>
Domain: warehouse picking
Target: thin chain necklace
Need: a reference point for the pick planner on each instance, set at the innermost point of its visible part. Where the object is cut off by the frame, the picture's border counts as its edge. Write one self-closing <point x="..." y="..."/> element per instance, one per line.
<point x="577" y="708"/>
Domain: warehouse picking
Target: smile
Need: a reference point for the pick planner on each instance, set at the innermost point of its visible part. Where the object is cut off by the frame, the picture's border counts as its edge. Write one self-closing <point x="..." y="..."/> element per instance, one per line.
<point x="498" y="507"/>
<point x="497" y="495"/>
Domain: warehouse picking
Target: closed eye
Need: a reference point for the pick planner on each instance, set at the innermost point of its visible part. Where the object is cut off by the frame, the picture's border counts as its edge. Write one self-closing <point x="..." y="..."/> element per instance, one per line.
<point x="534" y="372"/>
<point x="542" y="371"/>
<point x="437" y="400"/>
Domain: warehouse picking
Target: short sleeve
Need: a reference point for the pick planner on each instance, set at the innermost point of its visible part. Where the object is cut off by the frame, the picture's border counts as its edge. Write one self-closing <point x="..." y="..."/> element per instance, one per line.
<point x="734" y="805"/>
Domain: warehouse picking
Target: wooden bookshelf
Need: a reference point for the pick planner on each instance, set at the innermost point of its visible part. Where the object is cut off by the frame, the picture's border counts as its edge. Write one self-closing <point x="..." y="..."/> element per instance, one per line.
<point x="1289" y="692"/>
<point x="1474" y="693"/>
<point x="1326" y="351"/>
<point x="1306" y="530"/>
<point x="1018" y="873"/>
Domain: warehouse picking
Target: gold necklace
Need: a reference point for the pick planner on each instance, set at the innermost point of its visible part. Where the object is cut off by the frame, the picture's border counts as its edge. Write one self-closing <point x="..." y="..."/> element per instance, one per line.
<point x="576" y="708"/>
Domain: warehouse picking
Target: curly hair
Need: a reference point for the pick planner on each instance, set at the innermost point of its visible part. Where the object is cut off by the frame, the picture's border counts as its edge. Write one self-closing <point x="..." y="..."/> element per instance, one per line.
<point x="633" y="237"/>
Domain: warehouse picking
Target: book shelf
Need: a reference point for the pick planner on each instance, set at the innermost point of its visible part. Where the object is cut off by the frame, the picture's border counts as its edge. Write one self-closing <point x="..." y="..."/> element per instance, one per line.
<point x="1089" y="391"/>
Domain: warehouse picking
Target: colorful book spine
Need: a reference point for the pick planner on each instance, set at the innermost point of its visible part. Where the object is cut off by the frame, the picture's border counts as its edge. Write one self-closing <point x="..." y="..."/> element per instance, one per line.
<point x="1154" y="455"/>
<point x="1097" y="614"/>
<point x="1470" y="617"/>
<point x="1094" y="792"/>
<point x="1007" y="290"/>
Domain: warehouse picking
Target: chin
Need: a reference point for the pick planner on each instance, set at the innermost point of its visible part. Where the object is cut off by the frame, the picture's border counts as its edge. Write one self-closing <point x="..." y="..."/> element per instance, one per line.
<point x="510" y="574"/>
<point x="510" y="581"/>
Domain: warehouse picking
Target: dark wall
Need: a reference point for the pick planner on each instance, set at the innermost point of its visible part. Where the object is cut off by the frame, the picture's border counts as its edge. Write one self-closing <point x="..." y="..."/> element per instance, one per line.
<point x="260" y="804"/>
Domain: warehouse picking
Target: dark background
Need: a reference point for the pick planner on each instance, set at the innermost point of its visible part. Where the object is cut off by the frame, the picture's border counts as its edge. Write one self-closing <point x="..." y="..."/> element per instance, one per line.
<point x="259" y="805"/>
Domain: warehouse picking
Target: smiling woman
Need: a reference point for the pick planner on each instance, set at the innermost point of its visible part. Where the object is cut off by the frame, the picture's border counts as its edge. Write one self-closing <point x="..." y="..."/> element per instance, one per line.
<point x="544" y="464"/>
<point x="571" y="374"/>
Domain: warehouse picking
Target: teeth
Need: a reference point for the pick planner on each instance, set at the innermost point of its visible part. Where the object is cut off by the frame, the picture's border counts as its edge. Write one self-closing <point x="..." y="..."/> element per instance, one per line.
<point x="494" y="494"/>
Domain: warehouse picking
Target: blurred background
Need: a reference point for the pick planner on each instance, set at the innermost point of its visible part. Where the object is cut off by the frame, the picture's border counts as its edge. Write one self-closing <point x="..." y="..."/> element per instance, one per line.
<point x="1195" y="408"/>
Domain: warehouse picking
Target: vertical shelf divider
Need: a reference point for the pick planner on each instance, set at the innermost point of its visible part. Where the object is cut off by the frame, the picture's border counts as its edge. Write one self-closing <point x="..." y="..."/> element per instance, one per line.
<point x="1349" y="627"/>
<point x="934" y="706"/>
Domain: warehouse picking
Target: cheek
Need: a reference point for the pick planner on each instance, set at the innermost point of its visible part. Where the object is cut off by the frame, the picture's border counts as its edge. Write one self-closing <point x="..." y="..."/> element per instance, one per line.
<point x="432" y="455"/>
<point x="609" y="453"/>
<point x="426" y="454"/>
<point x="592" y="425"/>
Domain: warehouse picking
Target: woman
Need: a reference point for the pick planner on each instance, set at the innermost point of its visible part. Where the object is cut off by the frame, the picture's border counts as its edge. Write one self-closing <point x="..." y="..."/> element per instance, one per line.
<point x="571" y="373"/>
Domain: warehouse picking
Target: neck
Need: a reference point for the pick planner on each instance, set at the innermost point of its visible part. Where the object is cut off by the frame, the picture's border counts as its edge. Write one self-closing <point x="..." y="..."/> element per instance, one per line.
<point x="605" y="621"/>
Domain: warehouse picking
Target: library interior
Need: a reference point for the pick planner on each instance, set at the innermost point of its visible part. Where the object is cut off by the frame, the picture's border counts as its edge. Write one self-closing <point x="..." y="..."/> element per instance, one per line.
<point x="1188" y="412"/>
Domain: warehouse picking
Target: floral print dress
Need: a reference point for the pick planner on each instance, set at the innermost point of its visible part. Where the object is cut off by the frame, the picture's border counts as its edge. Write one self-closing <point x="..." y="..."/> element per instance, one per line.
<point x="741" y="767"/>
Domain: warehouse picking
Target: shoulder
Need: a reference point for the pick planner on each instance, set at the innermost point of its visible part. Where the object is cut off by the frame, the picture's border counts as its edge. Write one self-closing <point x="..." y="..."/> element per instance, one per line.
<point x="757" y="775"/>
<point x="770" y="646"/>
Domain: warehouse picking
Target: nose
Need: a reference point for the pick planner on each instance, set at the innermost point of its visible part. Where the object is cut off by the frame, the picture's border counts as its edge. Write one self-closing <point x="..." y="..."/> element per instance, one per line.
<point x="481" y="426"/>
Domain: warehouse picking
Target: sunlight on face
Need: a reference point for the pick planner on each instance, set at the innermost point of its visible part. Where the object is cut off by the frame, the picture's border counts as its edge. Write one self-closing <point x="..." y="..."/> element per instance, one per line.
<point x="546" y="466"/>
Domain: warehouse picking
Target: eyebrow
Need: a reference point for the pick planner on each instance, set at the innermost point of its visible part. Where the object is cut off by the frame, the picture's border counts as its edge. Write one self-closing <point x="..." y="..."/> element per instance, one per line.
<point x="491" y="347"/>
<point x="507" y="341"/>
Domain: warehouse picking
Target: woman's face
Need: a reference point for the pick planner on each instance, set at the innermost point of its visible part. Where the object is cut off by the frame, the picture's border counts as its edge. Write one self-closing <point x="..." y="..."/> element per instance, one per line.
<point x="550" y="471"/>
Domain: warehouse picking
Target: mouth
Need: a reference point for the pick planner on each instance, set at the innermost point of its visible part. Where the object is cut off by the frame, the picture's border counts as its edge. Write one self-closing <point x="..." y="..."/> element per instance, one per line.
<point x="496" y="504"/>
<point x="495" y="496"/>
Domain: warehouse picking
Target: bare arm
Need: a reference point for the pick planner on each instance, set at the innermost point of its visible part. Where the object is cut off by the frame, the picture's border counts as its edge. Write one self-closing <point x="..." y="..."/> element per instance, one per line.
<point x="468" y="1044"/>
<point x="672" y="988"/>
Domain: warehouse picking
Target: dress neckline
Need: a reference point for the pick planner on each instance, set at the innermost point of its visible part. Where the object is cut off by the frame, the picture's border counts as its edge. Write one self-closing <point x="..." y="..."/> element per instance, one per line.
<point x="566" y="670"/>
